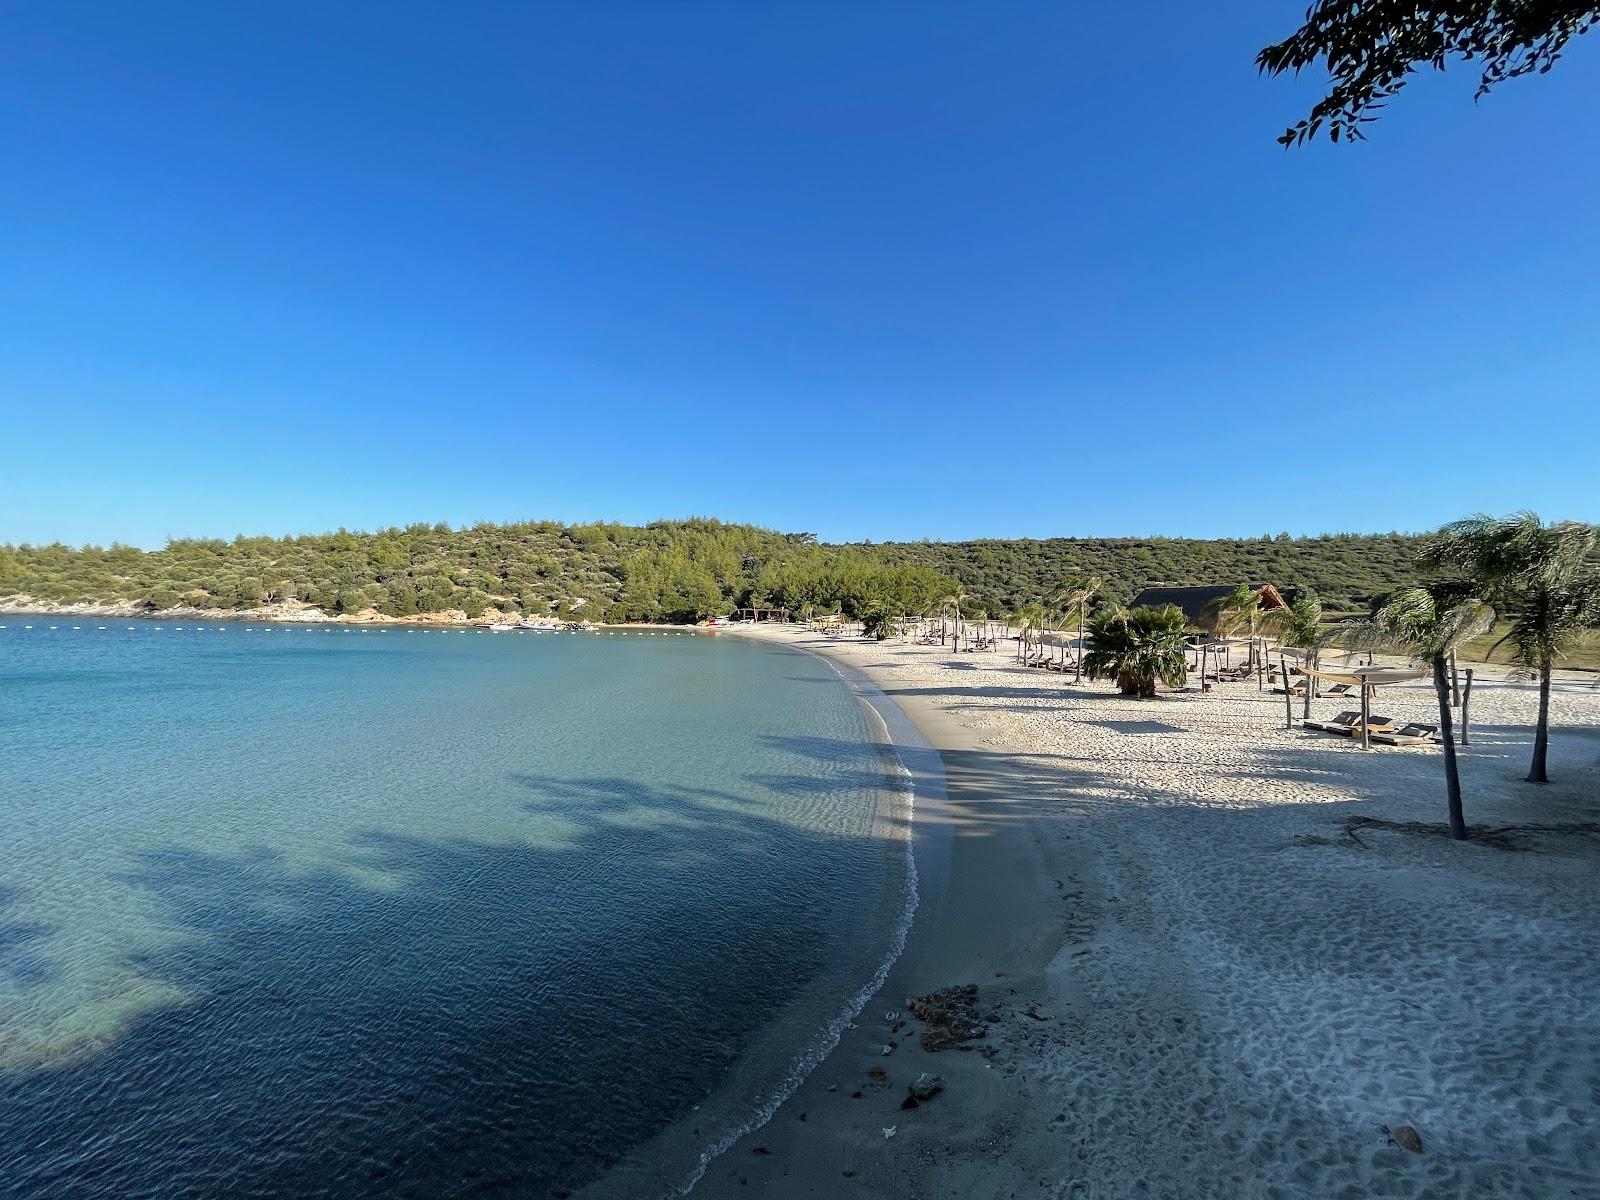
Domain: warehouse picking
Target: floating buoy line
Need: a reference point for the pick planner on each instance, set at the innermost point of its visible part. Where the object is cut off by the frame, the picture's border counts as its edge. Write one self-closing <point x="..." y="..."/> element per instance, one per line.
<point x="296" y="628"/>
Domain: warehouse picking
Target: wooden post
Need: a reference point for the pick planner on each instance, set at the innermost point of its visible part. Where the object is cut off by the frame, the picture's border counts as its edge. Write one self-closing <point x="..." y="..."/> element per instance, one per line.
<point x="1204" y="651"/>
<point x="1288" y="702"/>
<point x="1466" y="699"/>
<point x="1366" y="712"/>
<point x="1455" y="682"/>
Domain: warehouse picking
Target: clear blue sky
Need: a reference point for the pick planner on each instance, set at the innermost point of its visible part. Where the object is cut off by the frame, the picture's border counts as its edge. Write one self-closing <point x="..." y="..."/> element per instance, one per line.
<point x="881" y="270"/>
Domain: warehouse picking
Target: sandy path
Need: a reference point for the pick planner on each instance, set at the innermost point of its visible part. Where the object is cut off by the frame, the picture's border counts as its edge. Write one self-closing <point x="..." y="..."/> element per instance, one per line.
<point x="1202" y="987"/>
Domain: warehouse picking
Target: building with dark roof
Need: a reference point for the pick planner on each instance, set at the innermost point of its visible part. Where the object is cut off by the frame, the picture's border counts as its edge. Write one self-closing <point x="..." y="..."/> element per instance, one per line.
<point x="1196" y="600"/>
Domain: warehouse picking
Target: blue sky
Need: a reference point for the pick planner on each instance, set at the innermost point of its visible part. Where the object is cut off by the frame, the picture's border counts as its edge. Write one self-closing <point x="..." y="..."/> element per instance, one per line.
<point x="872" y="270"/>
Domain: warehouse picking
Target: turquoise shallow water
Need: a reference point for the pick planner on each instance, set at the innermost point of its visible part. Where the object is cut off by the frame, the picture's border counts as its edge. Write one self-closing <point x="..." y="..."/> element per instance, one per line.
<point x="318" y="912"/>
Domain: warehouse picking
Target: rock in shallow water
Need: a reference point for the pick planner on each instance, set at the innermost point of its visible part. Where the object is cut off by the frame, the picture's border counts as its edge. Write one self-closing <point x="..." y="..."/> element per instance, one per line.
<point x="1404" y="1136"/>
<point x="926" y="1087"/>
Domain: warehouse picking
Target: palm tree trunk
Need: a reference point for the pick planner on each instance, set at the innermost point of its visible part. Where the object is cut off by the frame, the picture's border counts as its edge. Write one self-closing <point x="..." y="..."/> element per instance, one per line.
<point x="1541" y="731"/>
<point x="1452" y="773"/>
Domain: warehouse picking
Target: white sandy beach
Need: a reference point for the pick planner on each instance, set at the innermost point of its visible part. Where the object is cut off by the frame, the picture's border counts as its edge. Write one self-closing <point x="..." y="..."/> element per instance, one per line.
<point x="1201" y="987"/>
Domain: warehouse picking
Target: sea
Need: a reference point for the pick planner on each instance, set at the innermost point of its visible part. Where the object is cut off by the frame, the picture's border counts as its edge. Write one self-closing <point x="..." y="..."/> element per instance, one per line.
<point x="340" y="911"/>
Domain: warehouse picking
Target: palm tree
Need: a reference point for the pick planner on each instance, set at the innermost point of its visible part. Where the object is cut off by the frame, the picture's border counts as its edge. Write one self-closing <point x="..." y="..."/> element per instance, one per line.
<point x="1300" y="626"/>
<point x="954" y="600"/>
<point x="1544" y="576"/>
<point x="1235" y="611"/>
<point x="1139" y="648"/>
<point x="877" y="621"/>
<point x="1075" y="600"/>
<point x="1029" y="617"/>
<point x="1427" y="627"/>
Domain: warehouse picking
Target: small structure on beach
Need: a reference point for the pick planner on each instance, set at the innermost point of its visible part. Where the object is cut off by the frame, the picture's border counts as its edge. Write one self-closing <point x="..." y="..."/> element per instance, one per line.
<point x="1198" y="600"/>
<point x="761" y="614"/>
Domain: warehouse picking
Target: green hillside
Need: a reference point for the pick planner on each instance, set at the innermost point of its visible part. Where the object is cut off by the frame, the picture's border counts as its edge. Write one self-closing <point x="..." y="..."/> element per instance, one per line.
<point x="1345" y="569"/>
<point x="672" y="570"/>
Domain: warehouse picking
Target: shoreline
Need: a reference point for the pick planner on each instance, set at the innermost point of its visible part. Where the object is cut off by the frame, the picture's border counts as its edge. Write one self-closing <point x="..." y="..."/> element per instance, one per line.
<point x="918" y="778"/>
<point x="912" y="787"/>
<point x="827" y="1138"/>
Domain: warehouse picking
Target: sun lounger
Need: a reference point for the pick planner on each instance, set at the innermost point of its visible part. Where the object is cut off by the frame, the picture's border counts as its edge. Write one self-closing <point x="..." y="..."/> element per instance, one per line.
<point x="1345" y="723"/>
<point x="1409" y="735"/>
<point x="1376" y="725"/>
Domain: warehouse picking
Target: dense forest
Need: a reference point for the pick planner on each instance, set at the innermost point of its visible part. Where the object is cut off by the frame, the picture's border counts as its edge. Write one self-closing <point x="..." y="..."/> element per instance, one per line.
<point x="673" y="570"/>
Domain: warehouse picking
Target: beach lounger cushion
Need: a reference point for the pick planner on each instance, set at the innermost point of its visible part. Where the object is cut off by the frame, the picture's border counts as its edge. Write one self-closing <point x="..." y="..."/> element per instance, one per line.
<point x="1346" y="723"/>
<point x="1409" y="735"/>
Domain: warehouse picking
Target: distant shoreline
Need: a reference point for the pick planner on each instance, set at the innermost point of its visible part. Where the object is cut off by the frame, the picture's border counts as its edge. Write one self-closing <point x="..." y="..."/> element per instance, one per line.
<point x="315" y="616"/>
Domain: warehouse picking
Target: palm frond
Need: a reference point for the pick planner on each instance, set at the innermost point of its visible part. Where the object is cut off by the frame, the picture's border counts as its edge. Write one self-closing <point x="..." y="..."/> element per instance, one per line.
<point x="1423" y="625"/>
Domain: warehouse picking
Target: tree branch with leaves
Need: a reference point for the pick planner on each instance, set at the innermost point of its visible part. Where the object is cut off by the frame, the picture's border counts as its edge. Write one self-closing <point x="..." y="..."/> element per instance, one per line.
<point x="1372" y="47"/>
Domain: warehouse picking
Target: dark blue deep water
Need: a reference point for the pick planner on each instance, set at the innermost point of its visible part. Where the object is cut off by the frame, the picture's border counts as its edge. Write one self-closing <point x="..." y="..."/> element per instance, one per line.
<point x="317" y="912"/>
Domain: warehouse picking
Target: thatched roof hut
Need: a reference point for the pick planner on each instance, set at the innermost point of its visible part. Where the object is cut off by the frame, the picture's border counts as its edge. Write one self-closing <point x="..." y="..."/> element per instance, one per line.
<point x="1196" y="599"/>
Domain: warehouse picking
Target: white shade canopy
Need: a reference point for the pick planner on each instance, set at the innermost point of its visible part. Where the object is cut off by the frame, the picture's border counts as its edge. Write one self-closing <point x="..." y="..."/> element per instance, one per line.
<point x="1370" y="676"/>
